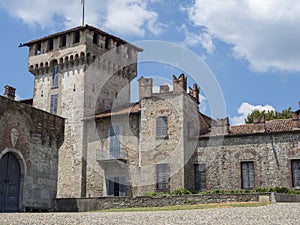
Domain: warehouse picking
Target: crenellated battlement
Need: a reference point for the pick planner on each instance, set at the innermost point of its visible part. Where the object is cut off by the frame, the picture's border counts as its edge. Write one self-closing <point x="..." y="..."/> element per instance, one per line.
<point x="179" y="87"/>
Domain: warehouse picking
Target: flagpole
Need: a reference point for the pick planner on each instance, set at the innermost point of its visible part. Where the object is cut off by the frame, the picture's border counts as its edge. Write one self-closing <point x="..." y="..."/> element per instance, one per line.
<point x="83" y="3"/>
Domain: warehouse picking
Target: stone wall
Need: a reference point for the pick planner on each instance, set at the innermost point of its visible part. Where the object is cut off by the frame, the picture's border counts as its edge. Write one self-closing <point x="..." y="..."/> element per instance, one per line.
<point x="39" y="136"/>
<point x="89" y="204"/>
<point x="270" y="153"/>
<point x="154" y="150"/>
<point x="99" y="163"/>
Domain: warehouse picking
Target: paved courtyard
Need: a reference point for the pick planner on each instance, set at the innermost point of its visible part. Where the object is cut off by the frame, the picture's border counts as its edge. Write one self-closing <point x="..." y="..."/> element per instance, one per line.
<point x="280" y="213"/>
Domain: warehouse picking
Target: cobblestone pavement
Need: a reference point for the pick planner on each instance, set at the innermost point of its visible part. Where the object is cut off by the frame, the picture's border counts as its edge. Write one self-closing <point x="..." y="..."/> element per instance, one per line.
<point x="280" y="213"/>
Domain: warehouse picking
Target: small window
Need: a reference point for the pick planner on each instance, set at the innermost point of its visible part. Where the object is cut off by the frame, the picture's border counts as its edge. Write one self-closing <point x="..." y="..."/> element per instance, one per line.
<point x="77" y="37"/>
<point x="247" y="172"/>
<point x="50" y="45"/>
<point x="55" y="72"/>
<point x="129" y="53"/>
<point x="54" y="104"/>
<point x="118" y="48"/>
<point x="162" y="127"/>
<point x="296" y="173"/>
<point x="200" y="177"/>
<point x="114" y="142"/>
<point x="95" y="38"/>
<point x="38" y="48"/>
<point x="63" y="41"/>
<point x="106" y="43"/>
<point x="162" y="177"/>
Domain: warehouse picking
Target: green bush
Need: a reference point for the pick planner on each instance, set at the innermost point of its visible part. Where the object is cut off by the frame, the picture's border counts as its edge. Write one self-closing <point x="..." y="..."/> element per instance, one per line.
<point x="180" y="191"/>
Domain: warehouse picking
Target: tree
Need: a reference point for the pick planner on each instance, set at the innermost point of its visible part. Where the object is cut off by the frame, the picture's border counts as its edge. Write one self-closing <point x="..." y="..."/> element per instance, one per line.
<point x="269" y="115"/>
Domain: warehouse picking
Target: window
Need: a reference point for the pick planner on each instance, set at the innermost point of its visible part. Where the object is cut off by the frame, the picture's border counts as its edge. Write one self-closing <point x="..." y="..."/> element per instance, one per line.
<point x="247" y="171"/>
<point x="53" y="104"/>
<point x="162" y="177"/>
<point x="200" y="177"/>
<point x="162" y="127"/>
<point x="129" y="53"/>
<point x="55" y="72"/>
<point x="114" y="142"/>
<point x="116" y="186"/>
<point x="296" y="173"/>
<point x="95" y="38"/>
<point x="38" y="49"/>
<point x="77" y="37"/>
<point x="63" y="41"/>
<point x="106" y="42"/>
<point x="50" y="45"/>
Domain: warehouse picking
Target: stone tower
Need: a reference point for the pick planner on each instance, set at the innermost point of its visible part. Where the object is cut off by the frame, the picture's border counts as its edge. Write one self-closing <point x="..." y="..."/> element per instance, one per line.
<point x="79" y="72"/>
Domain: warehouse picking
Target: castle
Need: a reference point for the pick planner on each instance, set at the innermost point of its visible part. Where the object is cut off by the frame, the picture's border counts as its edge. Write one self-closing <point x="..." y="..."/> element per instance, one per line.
<point x="80" y="136"/>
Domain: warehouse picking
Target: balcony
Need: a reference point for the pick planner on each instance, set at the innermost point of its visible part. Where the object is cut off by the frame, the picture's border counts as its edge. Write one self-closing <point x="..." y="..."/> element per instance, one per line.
<point x="104" y="155"/>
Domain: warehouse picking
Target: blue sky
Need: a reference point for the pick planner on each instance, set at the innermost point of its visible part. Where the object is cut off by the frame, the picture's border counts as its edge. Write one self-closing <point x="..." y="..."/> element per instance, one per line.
<point x="252" y="47"/>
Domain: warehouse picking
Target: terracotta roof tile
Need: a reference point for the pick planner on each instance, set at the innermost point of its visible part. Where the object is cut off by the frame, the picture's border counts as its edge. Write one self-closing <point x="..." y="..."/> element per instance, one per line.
<point x="273" y="126"/>
<point x="132" y="108"/>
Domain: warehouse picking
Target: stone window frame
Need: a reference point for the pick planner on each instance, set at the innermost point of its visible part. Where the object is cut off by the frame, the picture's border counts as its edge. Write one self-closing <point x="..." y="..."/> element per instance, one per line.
<point x="162" y="183"/>
<point x="200" y="177"/>
<point x="250" y="174"/>
<point x="162" y="133"/>
<point x="295" y="163"/>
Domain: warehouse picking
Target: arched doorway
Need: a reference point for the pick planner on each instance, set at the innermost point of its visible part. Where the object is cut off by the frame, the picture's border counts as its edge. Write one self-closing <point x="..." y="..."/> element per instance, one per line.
<point x="10" y="178"/>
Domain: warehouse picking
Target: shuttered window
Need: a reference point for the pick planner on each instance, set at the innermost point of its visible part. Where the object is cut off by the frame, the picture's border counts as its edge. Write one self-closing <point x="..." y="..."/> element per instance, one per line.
<point x="55" y="72"/>
<point x="162" y="127"/>
<point x="247" y="172"/>
<point x="114" y="142"/>
<point x="200" y="177"/>
<point x="53" y="104"/>
<point x="296" y="173"/>
<point x="162" y="177"/>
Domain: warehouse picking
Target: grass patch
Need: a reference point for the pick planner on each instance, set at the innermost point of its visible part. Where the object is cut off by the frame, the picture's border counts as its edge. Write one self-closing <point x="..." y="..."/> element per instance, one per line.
<point x="188" y="207"/>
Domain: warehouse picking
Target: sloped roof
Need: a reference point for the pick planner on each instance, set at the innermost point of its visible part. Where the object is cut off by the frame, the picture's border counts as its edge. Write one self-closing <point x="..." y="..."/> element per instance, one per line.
<point x="132" y="108"/>
<point x="80" y="28"/>
<point x="273" y="126"/>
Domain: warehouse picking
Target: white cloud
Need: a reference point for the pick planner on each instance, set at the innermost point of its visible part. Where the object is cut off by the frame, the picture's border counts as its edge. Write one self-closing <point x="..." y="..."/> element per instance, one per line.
<point x="125" y="17"/>
<point x="265" y="32"/>
<point x="245" y="109"/>
<point x="201" y="38"/>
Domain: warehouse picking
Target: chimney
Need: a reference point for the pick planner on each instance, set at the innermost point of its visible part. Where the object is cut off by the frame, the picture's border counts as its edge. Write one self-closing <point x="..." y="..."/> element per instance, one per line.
<point x="10" y="92"/>
<point x="194" y="93"/>
<point x="296" y="120"/>
<point x="145" y="87"/>
<point x="259" y="124"/>
<point x="179" y="84"/>
<point x="220" y="126"/>
<point x="164" y="88"/>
